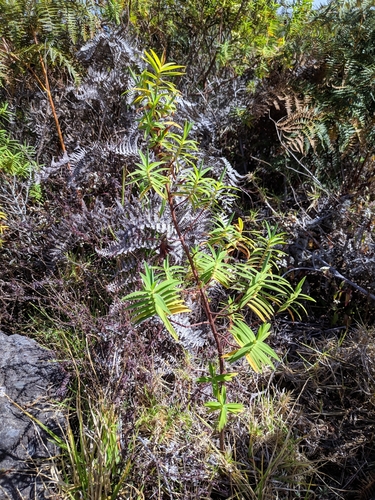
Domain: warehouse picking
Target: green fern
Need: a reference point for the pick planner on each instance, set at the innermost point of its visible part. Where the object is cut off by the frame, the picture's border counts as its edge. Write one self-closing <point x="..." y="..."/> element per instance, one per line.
<point x="331" y="120"/>
<point x="55" y="25"/>
<point x="15" y="157"/>
<point x="37" y="35"/>
<point x="113" y="10"/>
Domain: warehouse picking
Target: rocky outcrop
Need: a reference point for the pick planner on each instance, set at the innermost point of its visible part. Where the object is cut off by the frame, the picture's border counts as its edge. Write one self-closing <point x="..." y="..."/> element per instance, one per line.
<point x="29" y="380"/>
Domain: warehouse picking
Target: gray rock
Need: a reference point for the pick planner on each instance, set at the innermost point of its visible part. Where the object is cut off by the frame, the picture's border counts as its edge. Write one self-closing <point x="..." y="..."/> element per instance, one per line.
<point x="30" y="378"/>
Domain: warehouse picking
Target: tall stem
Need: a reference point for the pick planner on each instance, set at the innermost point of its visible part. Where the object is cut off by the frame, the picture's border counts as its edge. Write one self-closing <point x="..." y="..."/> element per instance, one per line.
<point x="50" y="100"/>
<point x="206" y="305"/>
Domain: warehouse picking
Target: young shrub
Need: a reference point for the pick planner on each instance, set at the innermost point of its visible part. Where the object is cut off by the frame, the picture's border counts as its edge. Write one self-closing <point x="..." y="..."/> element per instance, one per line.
<point x="222" y="257"/>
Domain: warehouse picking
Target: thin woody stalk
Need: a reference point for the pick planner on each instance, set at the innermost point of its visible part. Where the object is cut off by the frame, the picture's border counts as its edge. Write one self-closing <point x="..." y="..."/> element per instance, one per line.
<point x="52" y="104"/>
<point x="47" y="89"/>
<point x="205" y="303"/>
<point x="204" y="299"/>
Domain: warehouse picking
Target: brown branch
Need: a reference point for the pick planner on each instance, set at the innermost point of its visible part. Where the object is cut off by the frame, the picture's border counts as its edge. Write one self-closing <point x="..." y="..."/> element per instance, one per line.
<point x="50" y="100"/>
<point x="205" y="303"/>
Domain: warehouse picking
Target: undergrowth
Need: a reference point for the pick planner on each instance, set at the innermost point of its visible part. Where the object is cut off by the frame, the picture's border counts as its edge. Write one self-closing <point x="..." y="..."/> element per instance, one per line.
<point x="151" y="267"/>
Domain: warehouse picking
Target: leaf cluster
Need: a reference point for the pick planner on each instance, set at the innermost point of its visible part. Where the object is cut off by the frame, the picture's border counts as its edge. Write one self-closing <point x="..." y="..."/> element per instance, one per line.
<point x="158" y="297"/>
<point x="220" y="393"/>
<point x="214" y="39"/>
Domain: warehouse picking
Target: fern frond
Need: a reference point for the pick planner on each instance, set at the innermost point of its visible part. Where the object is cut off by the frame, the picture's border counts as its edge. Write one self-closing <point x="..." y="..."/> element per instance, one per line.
<point x="128" y="241"/>
<point x="128" y="149"/>
<point x="57" y="56"/>
<point x="15" y="157"/>
<point x="302" y="126"/>
<point x="47" y="13"/>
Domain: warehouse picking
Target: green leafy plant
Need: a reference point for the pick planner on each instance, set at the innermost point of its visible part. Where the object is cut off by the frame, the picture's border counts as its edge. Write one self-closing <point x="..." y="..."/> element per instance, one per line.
<point x="158" y="298"/>
<point x="245" y="267"/>
<point x="114" y="10"/>
<point x="216" y="38"/>
<point x="253" y="347"/>
<point x="16" y="159"/>
<point x="219" y="391"/>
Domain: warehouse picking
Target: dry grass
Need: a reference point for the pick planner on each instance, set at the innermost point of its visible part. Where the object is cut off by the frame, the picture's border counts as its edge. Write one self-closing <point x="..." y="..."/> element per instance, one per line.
<point x="307" y="432"/>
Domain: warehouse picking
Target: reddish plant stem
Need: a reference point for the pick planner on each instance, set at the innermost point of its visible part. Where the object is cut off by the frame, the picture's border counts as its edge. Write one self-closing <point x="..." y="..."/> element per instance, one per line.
<point x="52" y="104"/>
<point x="50" y="100"/>
<point x="206" y="305"/>
<point x="204" y="299"/>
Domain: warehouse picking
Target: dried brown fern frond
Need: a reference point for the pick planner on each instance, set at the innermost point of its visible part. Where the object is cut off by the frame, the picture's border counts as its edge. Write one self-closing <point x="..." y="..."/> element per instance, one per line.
<point x="303" y="127"/>
<point x="289" y="101"/>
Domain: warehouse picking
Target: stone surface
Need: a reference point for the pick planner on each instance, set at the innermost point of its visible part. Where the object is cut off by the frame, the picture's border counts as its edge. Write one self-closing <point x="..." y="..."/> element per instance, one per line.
<point x="31" y="379"/>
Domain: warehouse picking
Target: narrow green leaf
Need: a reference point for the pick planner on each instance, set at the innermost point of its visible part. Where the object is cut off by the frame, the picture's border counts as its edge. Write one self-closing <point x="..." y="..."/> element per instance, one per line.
<point x="226" y="377"/>
<point x="213" y="405"/>
<point x="235" y="407"/>
<point x="223" y="417"/>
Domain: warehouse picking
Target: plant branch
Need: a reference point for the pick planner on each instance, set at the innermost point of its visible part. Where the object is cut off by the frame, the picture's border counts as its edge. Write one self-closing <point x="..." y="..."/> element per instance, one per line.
<point x="50" y="100"/>
<point x="204" y="299"/>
